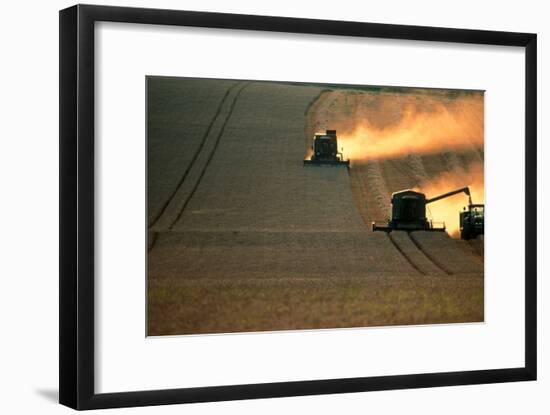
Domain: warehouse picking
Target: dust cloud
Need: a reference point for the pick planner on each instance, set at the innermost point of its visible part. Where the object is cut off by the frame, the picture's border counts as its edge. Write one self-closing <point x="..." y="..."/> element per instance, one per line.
<point x="446" y="210"/>
<point x="391" y="125"/>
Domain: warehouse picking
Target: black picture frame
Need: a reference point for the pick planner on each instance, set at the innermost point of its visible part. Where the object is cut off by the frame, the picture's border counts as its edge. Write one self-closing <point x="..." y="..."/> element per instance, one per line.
<point x="76" y="278"/>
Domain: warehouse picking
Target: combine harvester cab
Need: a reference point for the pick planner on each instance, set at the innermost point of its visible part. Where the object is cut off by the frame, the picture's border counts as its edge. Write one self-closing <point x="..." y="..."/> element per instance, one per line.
<point x="408" y="214"/>
<point x="325" y="151"/>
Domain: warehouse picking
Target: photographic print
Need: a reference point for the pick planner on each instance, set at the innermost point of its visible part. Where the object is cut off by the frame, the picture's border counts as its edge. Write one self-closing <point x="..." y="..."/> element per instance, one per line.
<point x="291" y="206"/>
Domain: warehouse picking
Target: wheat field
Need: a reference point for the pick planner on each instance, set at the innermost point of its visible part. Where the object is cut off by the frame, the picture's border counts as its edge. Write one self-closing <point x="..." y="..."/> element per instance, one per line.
<point x="243" y="237"/>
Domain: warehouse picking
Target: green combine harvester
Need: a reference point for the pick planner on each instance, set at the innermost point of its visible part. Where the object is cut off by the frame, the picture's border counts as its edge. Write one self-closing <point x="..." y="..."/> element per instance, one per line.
<point x="325" y="151"/>
<point x="409" y="214"/>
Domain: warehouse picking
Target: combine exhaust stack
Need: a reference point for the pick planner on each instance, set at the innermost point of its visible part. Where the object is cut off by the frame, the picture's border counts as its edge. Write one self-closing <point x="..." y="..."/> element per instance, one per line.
<point x="325" y="151"/>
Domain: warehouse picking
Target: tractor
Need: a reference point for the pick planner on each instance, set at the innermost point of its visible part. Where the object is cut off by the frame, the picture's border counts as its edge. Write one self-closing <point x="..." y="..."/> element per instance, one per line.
<point x="472" y="221"/>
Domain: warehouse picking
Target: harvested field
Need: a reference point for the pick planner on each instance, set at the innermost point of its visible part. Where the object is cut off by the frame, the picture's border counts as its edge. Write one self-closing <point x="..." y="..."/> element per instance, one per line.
<point x="415" y="254"/>
<point x="243" y="237"/>
<point x="311" y="303"/>
<point x="179" y="116"/>
<point x="274" y="255"/>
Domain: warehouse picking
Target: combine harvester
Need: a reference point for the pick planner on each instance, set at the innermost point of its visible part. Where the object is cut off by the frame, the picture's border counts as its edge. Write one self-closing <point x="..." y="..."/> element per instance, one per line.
<point x="409" y="214"/>
<point x="325" y="151"/>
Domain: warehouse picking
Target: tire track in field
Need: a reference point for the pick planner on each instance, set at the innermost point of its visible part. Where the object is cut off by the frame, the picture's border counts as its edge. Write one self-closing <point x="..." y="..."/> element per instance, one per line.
<point x="415" y="255"/>
<point x="404" y="254"/>
<point x="436" y="262"/>
<point x="151" y="239"/>
<point x="211" y="155"/>
<point x="195" y="156"/>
